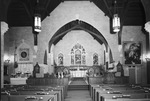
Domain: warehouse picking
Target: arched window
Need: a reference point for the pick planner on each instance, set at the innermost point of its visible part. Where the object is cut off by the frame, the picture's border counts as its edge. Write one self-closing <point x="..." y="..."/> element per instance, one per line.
<point x="60" y="59"/>
<point x="95" y="59"/>
<point x="78" y="55"/>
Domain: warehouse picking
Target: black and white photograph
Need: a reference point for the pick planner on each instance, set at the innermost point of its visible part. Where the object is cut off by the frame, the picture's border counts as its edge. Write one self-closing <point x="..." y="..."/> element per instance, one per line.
<point x="75" y="50"/>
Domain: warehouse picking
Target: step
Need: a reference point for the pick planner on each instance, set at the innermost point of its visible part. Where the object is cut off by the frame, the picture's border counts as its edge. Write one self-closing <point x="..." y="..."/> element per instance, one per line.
<point x="78" y="87"/>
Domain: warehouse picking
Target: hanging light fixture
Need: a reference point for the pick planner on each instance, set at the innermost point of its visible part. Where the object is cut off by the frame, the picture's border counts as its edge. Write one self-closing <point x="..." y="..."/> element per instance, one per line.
<point x="37" y="23"/>
<point x="116" y="19"/>
<point x="37" y="18"/>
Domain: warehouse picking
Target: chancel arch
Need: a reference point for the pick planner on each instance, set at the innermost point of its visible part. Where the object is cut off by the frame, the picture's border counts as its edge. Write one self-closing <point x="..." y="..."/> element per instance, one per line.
<point x="77" y="24"/>
<point x="79" y="55"/>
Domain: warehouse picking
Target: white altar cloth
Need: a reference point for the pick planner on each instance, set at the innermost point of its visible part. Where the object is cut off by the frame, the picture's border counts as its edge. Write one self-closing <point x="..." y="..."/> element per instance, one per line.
<point x="18" y="81"/>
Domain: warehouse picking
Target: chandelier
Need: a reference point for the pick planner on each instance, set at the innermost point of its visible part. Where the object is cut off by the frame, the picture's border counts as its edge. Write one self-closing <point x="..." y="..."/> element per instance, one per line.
<point x="116" y="19"/>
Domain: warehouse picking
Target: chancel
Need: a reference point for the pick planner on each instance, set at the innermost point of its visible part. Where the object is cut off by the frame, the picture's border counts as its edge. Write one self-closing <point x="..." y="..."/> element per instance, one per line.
<point x="75" y="50"/>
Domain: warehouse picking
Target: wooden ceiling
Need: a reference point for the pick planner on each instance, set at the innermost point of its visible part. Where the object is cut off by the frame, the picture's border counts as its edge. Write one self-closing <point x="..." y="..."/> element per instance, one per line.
<point x="20" y="12"/>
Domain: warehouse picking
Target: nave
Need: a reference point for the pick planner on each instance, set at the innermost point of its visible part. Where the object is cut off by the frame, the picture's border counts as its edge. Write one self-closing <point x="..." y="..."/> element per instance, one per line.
<point x="77" y="89"/>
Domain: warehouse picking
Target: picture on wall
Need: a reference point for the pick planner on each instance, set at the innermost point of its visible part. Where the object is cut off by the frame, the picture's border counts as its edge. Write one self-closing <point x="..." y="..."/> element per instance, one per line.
<point x="24" y="54"/>
<point x="132" y="53"/>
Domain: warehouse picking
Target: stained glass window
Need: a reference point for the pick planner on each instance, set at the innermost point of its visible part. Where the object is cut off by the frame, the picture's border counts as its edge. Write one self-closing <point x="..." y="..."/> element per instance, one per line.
<point x="60" y="59"/>
<point x="95" y="59"/>
<point x="78" y="55"/>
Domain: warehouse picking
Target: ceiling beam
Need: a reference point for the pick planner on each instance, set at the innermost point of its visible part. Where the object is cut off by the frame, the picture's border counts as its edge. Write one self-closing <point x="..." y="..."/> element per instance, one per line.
<point x="4" y="4"/>
<point x="146" y="4"/>
<point x="48" y="3"/>
<point x="126" y="5"/>
<point x="109" y="11"/>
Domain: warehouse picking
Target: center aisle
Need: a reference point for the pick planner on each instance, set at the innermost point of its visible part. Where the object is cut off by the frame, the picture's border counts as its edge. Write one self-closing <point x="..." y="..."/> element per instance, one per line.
<point x="76" y="94"/>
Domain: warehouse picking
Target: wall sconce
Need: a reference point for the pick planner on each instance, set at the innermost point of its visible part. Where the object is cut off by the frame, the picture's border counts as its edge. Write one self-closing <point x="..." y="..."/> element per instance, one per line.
<point x="147" y="57"/>
<point x="6" y="61"/>
<point x="116" y="19"/>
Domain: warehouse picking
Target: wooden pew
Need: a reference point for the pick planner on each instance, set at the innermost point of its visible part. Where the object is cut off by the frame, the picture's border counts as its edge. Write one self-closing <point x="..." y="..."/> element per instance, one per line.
<point x="118" y="90"/>
<point x="124" y="89"/>
<point x="106" y="87"/>
<point x="94" y="86"/>
<point x="127" y="99"/>
<point x="57" y="93"/>
<point x="32" y="98"/>
<point x="4" y="96"/>
<point x="98" y="93"/>
<point x="42" y="92"/>
<point x="47" y="81"/>
<point x="27" y="90"/>
<point x="103" y="97"/>
<point x="60" y="89"/>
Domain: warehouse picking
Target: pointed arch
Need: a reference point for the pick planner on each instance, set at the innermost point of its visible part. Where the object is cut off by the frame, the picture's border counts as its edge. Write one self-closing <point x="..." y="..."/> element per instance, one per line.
<point x="77" y="24"/>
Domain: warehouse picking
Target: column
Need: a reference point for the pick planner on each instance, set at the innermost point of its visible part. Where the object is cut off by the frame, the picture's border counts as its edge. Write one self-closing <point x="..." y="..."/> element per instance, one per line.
<point x="4" y="28"/>
<point x="147" y="28"/>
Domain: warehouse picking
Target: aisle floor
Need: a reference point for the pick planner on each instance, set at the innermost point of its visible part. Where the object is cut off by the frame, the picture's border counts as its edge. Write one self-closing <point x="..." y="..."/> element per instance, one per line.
<point x="78" y="95"/>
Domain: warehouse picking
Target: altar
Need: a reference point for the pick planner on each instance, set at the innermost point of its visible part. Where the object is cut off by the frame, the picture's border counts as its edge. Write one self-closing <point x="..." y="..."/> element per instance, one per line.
<point x="78" y="72"/>
<point x="18" y="81"/>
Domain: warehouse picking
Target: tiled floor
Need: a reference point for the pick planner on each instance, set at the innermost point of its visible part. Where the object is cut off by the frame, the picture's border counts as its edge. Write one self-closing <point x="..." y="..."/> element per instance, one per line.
<point x="78" y="95"/>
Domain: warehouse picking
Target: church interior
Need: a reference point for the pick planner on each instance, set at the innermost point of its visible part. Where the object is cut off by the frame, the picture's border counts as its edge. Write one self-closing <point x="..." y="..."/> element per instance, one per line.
<point x="69" y="50"/>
